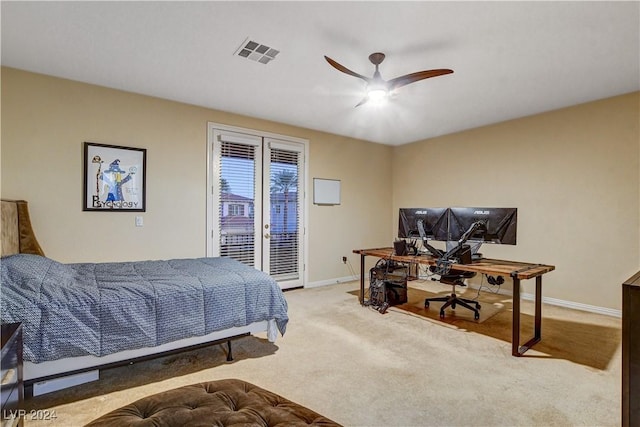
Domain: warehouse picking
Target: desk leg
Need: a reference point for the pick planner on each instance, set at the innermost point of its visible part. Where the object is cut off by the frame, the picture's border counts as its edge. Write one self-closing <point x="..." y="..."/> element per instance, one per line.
<point x="538" y="318"/>
<point x="516" y="349"/>
<point x="515" y="325"/>
<point x="362" y="279"/>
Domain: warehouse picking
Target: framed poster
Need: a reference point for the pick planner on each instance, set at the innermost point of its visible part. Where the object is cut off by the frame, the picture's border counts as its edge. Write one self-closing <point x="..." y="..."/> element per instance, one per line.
<point x="114" y="178"/>
<point x="326" y="191"/>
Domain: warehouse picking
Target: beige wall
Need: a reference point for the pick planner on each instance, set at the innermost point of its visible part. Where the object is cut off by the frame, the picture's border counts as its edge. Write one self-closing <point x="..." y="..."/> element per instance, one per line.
<point x="572" y="173"/>
<point x="574" y="176"/>
<point x="45" y="121"/>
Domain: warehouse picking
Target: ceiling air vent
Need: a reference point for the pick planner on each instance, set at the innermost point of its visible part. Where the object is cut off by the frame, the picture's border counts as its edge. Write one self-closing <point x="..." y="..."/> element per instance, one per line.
<point x="257" y="52"/>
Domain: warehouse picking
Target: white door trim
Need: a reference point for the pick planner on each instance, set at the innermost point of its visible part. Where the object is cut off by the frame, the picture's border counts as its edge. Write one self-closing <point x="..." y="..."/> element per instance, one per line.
<point x="212" y="127"/>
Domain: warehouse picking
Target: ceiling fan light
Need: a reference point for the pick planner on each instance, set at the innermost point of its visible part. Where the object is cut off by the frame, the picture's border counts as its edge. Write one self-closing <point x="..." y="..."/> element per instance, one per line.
<point x="377" y="95"/>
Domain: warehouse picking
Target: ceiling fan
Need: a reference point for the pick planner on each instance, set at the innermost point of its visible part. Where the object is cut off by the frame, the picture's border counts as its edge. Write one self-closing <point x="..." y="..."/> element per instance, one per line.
<point x="379" y="89"/>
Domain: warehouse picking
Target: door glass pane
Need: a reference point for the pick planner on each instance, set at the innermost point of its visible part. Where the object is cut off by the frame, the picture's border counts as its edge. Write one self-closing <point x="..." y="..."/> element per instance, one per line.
<point x="237" y="195"/>
<point x="285" y="214"/>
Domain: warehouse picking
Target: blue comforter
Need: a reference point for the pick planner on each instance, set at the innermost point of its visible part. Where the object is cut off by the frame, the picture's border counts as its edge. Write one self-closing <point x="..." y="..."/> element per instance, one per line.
<point x="97" y="309"/>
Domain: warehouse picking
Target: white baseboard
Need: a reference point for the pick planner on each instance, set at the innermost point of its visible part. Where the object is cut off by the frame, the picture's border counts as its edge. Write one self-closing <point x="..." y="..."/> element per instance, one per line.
<point x="331" y="281"/>
<point x="526" y="296"/>
<point x="576" y="305"/>
<point x="564" y="303"/>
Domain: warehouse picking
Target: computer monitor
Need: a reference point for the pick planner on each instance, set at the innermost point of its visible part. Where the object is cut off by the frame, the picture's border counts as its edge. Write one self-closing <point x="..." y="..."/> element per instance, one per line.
<point x="434" y="221"/>
<point x="500" y="224"/>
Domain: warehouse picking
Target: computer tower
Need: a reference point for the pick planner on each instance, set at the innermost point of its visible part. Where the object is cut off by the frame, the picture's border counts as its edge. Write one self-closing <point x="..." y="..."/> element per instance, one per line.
<point x="388" y="283"/>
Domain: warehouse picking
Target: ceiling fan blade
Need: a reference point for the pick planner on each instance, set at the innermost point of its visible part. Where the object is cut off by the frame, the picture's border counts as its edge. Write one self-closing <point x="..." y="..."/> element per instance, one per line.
<point x="414" y="77"/>
<point x="345" y="70"/>
<point x="364" y="101"/>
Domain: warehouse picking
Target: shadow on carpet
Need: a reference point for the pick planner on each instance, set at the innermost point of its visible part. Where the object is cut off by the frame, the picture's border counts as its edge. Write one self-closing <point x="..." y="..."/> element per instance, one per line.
<point x="583" y="343"/>
<point x="157" y="369"/>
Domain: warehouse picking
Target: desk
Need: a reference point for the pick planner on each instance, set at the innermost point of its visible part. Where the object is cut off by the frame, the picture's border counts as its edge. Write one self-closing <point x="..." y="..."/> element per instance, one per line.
<point x="516" y="270"/>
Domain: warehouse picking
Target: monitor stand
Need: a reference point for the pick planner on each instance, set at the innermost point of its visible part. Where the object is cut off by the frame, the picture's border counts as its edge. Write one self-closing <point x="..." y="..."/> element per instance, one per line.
<point x="475" y="247"/>
<point x="475" y="255"/>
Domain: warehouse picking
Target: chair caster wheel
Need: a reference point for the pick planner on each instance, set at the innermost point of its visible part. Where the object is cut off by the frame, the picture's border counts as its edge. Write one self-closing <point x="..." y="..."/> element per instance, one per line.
<point x="426" y="304"/>
<point x="442" y="314"/>
<point x="476" y="315"/>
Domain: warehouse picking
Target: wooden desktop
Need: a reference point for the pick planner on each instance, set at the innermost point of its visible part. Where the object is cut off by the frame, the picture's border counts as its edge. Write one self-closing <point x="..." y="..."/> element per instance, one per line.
<point x="516" y="270"/>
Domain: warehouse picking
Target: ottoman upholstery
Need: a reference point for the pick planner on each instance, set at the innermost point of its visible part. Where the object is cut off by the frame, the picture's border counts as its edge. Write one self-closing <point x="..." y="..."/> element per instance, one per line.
<point x="228" y="402"/>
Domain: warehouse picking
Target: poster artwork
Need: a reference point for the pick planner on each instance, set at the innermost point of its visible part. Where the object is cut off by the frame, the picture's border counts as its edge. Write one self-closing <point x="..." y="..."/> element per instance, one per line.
<point x="114" y="178"/>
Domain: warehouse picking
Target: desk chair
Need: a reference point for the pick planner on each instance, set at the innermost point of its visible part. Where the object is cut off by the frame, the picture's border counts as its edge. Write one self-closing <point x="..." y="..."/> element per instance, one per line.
<point x="455" y="278"/>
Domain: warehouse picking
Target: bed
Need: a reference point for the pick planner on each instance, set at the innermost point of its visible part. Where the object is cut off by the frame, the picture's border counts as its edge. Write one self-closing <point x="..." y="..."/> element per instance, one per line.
<point x="78" y="318"/>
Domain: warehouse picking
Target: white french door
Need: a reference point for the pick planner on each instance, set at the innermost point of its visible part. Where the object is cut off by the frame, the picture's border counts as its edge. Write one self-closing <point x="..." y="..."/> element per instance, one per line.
<point x="256" y="203"/>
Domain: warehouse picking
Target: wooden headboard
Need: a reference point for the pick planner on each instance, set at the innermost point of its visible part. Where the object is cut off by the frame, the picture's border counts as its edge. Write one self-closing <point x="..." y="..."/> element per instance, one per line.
<point x="17" y="234"/>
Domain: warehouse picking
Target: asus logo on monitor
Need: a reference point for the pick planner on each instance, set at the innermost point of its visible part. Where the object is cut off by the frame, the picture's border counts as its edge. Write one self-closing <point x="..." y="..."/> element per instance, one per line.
<point x="481" y="212"/>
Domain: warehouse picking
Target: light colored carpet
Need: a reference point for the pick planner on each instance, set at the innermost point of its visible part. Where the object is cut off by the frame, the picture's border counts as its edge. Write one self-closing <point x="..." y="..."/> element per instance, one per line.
<point x="404" y="368"/>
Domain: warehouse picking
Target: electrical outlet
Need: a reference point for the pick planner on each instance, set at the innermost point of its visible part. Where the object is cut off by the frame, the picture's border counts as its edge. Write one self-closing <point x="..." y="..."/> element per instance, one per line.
<point x="344" y="259"/>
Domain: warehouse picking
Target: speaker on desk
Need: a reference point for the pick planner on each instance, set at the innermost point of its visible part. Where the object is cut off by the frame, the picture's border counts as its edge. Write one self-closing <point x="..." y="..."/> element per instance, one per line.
<point x="464" y="255"/>
<point x="400" y="247"/>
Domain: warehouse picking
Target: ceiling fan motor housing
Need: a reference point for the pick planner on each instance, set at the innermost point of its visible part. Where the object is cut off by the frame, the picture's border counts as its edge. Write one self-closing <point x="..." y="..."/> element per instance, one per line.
<point x="376" y="58"/>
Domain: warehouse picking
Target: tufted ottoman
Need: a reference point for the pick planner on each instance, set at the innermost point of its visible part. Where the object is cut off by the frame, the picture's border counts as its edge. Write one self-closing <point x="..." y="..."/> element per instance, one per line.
<point x="215" y="403"/>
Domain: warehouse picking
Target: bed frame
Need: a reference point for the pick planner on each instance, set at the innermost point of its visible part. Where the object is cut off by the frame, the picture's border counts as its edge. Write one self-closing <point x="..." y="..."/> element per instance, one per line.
<point x="17" y="236"/>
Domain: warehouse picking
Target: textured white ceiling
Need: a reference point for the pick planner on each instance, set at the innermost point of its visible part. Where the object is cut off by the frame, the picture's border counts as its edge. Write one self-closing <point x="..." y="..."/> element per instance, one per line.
<point x="510" y="59"/>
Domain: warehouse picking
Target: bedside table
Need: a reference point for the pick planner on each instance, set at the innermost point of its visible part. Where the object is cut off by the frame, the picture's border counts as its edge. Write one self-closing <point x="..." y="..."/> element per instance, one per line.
<point x="11" y="388"/>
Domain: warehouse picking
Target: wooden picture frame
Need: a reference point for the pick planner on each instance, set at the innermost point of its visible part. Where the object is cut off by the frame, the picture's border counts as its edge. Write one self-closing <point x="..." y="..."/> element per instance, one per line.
<point x="114" y="178"/>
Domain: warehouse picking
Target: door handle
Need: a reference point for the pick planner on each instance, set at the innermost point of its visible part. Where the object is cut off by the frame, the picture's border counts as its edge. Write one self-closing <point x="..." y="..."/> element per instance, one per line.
<point x="267" y="235"/>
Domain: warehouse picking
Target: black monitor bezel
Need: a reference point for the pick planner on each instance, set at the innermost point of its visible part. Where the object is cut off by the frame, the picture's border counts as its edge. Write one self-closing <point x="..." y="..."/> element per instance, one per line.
<point x="502" y="224"/>
<point x="437" y="218"/>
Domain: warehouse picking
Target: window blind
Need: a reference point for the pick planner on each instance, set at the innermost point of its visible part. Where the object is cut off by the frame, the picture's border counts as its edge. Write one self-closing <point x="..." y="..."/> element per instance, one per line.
<point x="237" y="197"/>
<point x="285" y="214"/>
